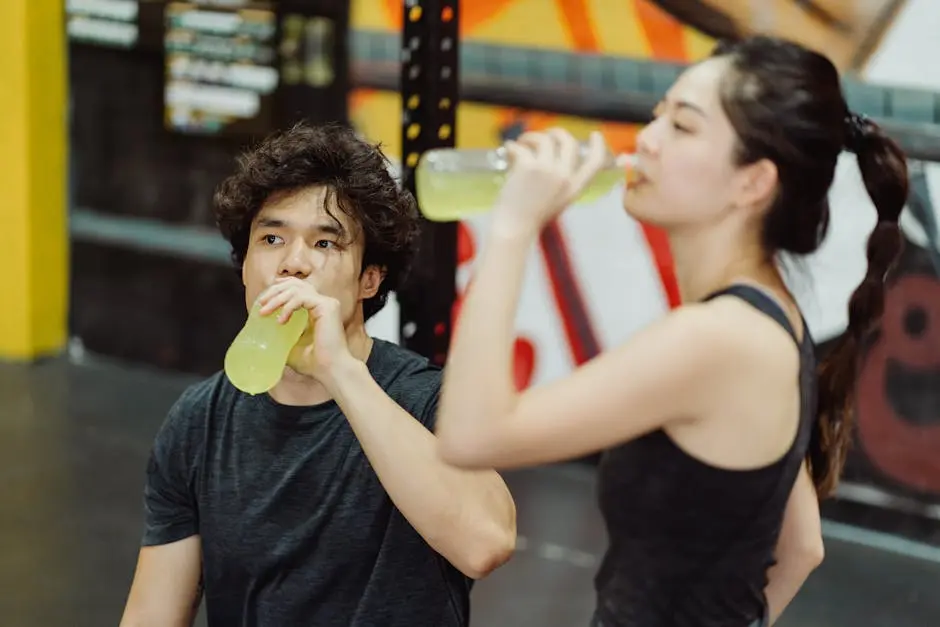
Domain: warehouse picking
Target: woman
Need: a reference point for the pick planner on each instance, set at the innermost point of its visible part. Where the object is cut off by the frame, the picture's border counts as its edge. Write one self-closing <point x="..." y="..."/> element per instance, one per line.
<point x="717" y="447"/>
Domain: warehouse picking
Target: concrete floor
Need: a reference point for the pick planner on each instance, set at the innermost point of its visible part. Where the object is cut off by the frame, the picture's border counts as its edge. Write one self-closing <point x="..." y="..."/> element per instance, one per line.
<point x="73" y="444"/>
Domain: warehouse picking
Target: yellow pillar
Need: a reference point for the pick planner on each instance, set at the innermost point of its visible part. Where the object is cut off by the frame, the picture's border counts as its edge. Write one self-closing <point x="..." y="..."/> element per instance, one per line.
<point x="33" y="178"/>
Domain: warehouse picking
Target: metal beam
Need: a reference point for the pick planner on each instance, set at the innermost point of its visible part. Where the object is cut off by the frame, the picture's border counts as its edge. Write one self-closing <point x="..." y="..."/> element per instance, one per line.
<point x="558" y="69"/>
<point x="428" y="80"/>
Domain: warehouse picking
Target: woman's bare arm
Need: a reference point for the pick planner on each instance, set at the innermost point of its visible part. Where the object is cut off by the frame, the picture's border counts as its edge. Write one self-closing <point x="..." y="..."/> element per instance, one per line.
<point x="799" y="548"/>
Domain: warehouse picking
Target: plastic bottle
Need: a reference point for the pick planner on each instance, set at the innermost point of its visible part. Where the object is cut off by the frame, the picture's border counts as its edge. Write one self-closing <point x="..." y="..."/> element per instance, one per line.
<point x="255" y="361"/>
<point x="453" y="184"/>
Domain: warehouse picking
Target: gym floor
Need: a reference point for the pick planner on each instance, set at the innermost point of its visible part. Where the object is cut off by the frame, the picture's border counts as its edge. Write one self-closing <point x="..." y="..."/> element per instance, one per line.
<point x="74" y="441"/>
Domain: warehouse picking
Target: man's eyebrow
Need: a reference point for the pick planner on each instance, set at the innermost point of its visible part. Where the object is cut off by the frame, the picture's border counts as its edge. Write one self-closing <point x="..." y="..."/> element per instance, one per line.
<point x="331" y="228"/>
<point x="271" y="223"/>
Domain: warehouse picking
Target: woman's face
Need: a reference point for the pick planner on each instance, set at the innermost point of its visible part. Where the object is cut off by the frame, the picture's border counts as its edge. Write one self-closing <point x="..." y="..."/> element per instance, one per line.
<point x="685" y="174"/>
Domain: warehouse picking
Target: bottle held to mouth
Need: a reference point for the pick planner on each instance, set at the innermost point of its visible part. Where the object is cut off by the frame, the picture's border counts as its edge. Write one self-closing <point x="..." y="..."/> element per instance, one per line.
<point x="256" y="359"/>
<point x="455" y="183"/>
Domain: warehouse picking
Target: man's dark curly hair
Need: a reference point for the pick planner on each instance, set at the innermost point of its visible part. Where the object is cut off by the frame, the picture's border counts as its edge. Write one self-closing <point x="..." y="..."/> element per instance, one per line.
<point x="353" y="171"/>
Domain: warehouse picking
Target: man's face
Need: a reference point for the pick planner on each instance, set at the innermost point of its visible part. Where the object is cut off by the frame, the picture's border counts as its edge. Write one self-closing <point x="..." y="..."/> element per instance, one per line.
<point x="305" y="235"/>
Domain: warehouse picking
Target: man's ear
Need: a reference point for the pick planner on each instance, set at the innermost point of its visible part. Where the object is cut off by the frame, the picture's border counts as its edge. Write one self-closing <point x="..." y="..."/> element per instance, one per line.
<point x="370" y="281"/>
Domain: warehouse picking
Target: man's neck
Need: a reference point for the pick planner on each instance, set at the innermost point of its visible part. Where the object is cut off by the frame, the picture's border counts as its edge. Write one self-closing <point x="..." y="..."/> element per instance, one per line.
<point x="300" y="390"/>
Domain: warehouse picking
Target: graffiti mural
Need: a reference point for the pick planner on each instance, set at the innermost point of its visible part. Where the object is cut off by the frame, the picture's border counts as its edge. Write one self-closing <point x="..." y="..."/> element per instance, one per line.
<point x="898" y="402"/>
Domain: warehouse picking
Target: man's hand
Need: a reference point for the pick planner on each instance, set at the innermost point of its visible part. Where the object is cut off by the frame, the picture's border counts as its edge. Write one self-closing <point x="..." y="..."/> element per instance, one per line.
<point x="323" y="346"/>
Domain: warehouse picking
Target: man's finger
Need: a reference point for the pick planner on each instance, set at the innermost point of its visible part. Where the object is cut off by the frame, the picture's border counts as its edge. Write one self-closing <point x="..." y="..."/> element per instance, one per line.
<point x="294" y="302"/>
<point x="272" y="290"/>
<point x="274" y="301"/>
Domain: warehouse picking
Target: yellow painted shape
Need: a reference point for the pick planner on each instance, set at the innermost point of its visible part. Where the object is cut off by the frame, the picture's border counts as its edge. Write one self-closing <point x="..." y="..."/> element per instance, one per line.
<point x="618" y="28"/>
<point x="527" y="24"/>
<point x="369" y="15"/>
<point x="376" y="114"/>
<point x="698" y="44"/>
<point x="33" y="135"/>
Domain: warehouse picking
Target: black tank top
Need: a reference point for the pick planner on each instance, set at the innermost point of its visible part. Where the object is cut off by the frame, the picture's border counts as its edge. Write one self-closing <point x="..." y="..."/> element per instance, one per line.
<point x="690" y="544"/>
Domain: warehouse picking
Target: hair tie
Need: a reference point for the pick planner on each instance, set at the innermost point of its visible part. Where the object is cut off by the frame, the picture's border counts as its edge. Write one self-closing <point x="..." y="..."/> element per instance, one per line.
<point x="857" y="127"/>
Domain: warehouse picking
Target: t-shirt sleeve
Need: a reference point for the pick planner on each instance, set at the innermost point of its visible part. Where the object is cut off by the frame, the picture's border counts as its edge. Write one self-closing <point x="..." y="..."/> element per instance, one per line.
<point x="170" y="512"/>
<point x="425" y="392"/>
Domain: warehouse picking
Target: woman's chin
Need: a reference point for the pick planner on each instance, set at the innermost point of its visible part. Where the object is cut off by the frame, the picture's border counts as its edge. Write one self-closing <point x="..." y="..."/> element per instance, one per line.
<point x="635" y="206"/>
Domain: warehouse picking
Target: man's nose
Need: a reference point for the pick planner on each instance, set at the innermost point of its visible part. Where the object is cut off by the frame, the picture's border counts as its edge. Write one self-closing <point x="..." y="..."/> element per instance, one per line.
<point x="296" y="263"/>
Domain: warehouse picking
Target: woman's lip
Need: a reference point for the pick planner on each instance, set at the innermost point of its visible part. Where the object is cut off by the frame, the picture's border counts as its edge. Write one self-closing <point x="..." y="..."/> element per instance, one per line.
<point x="635" y="178"/>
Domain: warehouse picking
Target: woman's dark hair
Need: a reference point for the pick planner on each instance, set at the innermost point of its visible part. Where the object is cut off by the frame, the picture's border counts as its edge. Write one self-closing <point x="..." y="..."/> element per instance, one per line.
<point x="786" y="105"/>
<point x="354" y="171"/>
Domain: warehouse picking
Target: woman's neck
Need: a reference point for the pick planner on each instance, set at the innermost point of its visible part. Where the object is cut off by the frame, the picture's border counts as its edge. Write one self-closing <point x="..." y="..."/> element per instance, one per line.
<point x="708" y="261"/>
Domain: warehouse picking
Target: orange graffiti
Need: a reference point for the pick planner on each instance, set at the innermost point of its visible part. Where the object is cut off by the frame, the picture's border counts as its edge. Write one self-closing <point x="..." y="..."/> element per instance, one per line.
<point x="577" y="20"/>
<point x="358" y="97"/>
<point x="663" y="32"/>
<point x="620" y="137"/>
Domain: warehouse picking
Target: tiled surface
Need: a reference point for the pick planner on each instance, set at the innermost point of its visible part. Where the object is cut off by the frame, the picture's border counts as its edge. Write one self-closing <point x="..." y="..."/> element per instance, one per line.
<point x="74" y="440"/>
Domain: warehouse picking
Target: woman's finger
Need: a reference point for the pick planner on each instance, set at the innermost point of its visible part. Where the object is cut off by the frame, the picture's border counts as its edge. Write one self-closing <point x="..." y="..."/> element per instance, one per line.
<point x="567" y="148"/>
<point x="595" y="158"/>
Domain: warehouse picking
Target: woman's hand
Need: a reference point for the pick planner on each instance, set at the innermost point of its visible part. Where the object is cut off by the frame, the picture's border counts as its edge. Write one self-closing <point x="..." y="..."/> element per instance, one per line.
<point x="547" y="172"/>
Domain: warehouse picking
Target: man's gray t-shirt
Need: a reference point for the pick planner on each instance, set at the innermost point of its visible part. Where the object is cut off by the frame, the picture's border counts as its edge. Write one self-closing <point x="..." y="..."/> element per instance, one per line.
<point x="296" y="529"/>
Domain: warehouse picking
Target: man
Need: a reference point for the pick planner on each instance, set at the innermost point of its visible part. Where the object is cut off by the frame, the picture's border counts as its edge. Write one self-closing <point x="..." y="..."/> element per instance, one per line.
<point x="322" y="502"/>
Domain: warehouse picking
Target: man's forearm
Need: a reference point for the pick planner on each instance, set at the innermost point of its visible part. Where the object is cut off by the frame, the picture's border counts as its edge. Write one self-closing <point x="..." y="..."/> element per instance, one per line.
<point x="158" y="617"/>
<point x="149" y="608"/>
<point x="466" y="516"/>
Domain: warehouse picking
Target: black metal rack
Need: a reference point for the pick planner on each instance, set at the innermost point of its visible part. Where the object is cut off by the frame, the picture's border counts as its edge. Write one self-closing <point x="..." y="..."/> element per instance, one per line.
<point x="429" y="95"/>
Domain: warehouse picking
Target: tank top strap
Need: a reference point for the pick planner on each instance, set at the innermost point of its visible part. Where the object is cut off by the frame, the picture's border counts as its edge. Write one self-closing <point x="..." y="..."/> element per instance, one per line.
<point x="764" y="303"/>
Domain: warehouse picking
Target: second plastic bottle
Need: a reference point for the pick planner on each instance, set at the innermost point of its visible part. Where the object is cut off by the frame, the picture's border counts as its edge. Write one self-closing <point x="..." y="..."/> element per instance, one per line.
<point x="455" y="183"/>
